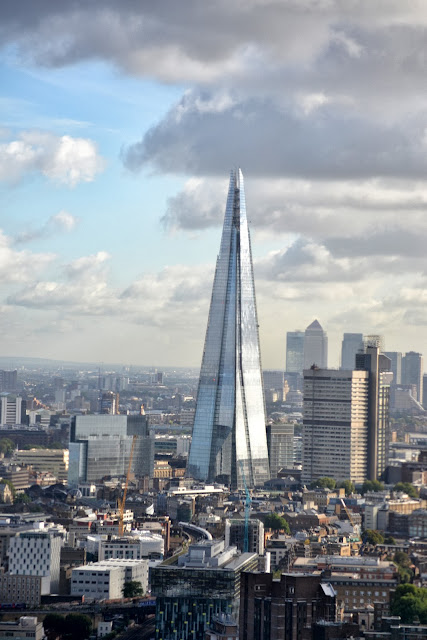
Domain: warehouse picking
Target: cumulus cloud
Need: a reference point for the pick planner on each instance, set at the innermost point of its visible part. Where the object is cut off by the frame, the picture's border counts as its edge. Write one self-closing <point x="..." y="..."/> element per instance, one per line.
<point x="62" y="222"/>
<point x="62" y="159"/>
<point x="20" y="266"/>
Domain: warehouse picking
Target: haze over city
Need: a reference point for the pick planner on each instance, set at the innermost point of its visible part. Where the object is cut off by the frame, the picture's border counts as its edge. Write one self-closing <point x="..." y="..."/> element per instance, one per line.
<point x="119" y="125"/>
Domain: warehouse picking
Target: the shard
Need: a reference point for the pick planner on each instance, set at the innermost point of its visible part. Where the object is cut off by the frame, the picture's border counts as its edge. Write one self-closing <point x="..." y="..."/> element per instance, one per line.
<point x="229" y="438"/>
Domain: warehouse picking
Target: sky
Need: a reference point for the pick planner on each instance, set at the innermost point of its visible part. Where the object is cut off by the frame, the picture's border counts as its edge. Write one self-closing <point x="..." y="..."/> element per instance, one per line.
<point x="119" y="124"/>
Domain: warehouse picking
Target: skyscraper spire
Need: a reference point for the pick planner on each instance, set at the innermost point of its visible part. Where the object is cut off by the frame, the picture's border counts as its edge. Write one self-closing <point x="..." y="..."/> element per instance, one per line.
<point x="229" y="437"/>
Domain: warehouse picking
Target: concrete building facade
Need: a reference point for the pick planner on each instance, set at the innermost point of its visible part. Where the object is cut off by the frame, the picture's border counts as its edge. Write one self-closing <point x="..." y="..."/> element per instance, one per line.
<point x="335" y="425"/>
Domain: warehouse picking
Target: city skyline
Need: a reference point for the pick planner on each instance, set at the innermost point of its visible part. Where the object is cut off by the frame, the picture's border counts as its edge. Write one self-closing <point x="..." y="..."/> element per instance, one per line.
<point x="112" y="156"/>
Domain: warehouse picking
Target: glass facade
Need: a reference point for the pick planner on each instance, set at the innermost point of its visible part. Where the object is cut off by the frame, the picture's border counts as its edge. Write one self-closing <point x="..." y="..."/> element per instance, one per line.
<point x="100" y="446"/>
<point x="295" y="351"/>
<point x="229" y="427"/>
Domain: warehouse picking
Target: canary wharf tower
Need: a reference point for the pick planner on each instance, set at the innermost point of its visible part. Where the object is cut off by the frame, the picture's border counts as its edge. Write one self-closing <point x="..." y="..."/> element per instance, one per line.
<point x="229" y="440"/>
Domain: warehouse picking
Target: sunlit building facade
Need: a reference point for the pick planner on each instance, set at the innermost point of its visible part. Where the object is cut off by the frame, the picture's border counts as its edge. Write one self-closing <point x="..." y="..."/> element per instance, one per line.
<point x="229" y="440"/>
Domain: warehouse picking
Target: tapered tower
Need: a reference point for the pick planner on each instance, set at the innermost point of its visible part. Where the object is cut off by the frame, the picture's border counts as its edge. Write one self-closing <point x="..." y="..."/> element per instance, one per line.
<point x="229" y="437"/>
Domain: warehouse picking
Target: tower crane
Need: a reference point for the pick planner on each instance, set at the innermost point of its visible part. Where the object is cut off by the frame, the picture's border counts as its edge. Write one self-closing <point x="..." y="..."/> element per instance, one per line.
<point x="248" y="502"/>
<point x="122" y="501"/>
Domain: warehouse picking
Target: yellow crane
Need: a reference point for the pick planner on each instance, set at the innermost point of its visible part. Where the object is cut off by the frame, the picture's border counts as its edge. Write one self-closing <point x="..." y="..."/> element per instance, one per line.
<point x="122" y="501"/>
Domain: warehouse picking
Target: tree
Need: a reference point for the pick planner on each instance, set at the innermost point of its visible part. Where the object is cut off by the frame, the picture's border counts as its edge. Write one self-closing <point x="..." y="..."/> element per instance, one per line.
<point x="276" y="522"/>
<point x="406" y="487"/>
<point x="22" y="498"/>
<point x="348" y="485"/>
<point x="403" y="562"/>
<point x="371" y="536"/>
<point x="410" y="602"/>
<point x="54" y="625"/>
<point x="133" y="589"/>
<point x="371" y="485"/>
<point x="323" y="483"/>
<point x="389" y="540"/>
<point x="78" y="626"/>
<point x="6" y="446"/>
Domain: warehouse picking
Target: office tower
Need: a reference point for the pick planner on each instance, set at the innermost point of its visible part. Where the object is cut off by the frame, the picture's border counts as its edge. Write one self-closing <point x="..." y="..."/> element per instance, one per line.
<point x="412" y="372"/>
<point x="38" y="553"/>
<point x="100" y="446"/>
<point x="378" y="366"/>
<point x="295" y="352"/>
<point x="11" y="409"/>
<point x="315" y="346"/>
<point x="8" y="380"/>
<point x="229" y="425"/>
<point x="280" y="443"/>
<point x="396" y="365"/>
<point x="204" y="585"/>
<point x="335" y="425"/>
<point x="284" y="608"/>
<point x="352" y="343"/>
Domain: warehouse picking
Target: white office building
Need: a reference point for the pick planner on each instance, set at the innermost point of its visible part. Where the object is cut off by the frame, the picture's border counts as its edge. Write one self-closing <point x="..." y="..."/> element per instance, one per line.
<point x="105" y="580"/>
<point x="10" y="409"/>
<point x="143" y="544"/>
<point x="38" y="553"/>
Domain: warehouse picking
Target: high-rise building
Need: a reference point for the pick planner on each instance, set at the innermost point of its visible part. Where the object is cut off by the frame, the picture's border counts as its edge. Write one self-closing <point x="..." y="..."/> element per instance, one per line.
<point x="38" y="553"/>
<point x="352" y="343"/>
<point x="8" y="380"/>
<point x="280" y="442"/>
<point x="295" y="352"/>
<point x="396" y="365"/>
<point x="100" y="446"/>
<point x="315" y="346"/>
<point x="11" y="409"/>
<point x="378" y="366"/>
<point x="204" y="584"/>
<point x="335" y="425"/>
<point x="229" y="439"/>
<point x="412" y="372"/>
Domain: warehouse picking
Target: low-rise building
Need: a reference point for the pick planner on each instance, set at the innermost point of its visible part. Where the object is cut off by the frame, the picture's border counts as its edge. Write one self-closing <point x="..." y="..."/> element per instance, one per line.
<point x="20" y="589"/>
<point x="22" y="629"/>
<point x="144" y="544"/>
<point x="53" y="460"/>
<point x="105" y="580"/>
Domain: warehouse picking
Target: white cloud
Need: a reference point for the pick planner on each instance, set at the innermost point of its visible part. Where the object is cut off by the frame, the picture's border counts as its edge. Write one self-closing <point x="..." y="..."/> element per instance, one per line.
<point x="62" y="222"/>
<point x="62" y="159"/>
<point x="20" y="266"/>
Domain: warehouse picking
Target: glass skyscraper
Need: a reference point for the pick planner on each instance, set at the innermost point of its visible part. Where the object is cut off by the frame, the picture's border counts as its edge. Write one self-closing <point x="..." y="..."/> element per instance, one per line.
<point x="229" y="437"/>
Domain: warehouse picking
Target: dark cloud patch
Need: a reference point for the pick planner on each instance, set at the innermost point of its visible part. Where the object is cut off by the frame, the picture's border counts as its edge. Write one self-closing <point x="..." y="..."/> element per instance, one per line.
<point x="386" y="242"/>
<point x="271" y="141"/>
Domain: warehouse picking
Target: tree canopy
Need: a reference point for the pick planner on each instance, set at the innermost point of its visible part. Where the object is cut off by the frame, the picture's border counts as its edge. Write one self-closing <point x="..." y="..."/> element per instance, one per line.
<point x="276" y="522"/>
<point x="410" y="602"/>
<point x="75" y="626"/>
<point x="371" y="536"/>
<point x="133" y="589"/>
<point x="323" y="483"/>
<point x="371" y="485"/>
<point x="348" y="485"/>
<point x="406" y="487"/>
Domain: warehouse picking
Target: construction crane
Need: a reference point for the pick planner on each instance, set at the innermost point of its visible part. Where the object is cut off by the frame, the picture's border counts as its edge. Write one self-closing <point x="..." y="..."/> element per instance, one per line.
<point x="248" y="502"/>
<point x="122" y="501"/>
